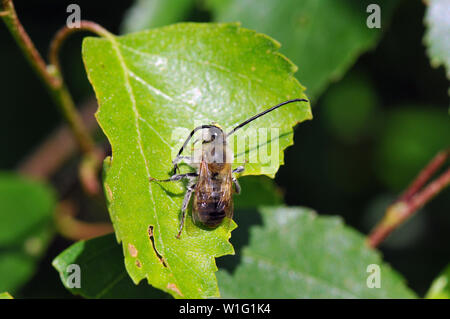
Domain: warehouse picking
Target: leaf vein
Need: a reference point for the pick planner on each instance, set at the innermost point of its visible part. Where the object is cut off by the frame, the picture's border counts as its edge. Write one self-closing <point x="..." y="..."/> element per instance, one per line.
<point x="111" y="284"/>
<point x="137" y="116"/>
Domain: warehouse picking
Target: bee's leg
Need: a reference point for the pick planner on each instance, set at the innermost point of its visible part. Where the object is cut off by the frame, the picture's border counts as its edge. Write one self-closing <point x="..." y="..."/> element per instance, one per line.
<point x="186" y="159"/>
<point x="237" y="187"/>
<point x="176" y="177"/>
<point x="239" y="169"/>
<point x="184" y="207"/>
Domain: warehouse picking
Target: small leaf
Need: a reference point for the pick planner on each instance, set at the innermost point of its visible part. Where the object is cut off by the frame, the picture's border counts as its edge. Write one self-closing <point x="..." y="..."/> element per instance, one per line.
<point x="26" y="209"/>
<point x="154" y="84"/>
<point x="24" y="205"/>
<point x="297" y="254"/>
<point x="324" y="37"/>
<point x="437" y="36"/>
<point x="103" y="274"/>
<point x="5" y="295"/>
<point x="440" y="288"/>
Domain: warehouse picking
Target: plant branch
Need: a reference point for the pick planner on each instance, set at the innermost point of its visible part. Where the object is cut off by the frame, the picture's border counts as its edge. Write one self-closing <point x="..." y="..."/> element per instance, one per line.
<point x="51" y="79"/>
<point x="412" y="199"/>
<point x="51" y="75"/>
<point x="425" y="174"/>
<point x="430" y="191"/>
<point x="21" y="37"/>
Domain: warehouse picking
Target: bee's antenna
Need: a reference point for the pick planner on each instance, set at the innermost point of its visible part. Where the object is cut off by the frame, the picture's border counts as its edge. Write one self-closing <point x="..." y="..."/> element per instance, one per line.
<point x="175" y="161"/>
<point x="262" y="113"/>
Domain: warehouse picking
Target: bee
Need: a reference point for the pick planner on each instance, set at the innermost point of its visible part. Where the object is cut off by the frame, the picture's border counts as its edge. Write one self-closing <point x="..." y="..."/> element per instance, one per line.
<point x="212" y="183"/>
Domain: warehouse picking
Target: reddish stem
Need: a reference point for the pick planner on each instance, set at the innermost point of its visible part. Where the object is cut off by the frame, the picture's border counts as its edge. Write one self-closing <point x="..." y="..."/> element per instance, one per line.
<point x="431" y="190"/>
<point x="19" y="34"/>
<point x="425" y="175"/>
<point x="65" y="32"/>
<point x="412" y="199"/>
<point x="91" y="163"/>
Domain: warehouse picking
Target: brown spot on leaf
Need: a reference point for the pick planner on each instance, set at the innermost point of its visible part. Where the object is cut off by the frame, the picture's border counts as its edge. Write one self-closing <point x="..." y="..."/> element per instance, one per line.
<point x="109" y="193"/>
<point x="152" y="240"/>
<point x="174" y="287"/>
<point x="138" y="263"/>
<point x="133" y="251"/>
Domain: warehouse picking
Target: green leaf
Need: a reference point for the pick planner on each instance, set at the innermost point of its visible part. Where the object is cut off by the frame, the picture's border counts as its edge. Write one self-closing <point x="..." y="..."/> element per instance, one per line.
<point x="323" y="37"/>
<point x="155" y="84"/>
<point x="103" y="274"/>
<point x="24" y="205"/>
<point x="100" y="259"/>
<point x="437" y="36"/>
<point x="440" y="288"/>
<point x="26" y="209"/>
<point x="146" y="14"/>
<point x="297" y="254"/>
<point x="257" y="191"/>
<point x="5" y="295"/>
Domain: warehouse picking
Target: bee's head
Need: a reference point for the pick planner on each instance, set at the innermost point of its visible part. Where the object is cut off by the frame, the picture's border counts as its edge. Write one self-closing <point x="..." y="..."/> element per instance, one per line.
<point x="214" y="145"/>
<point x="213" y="133"/>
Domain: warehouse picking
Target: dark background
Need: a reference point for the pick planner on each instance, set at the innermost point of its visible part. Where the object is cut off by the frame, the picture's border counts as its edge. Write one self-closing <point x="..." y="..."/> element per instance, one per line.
<point x="341" y="169"/>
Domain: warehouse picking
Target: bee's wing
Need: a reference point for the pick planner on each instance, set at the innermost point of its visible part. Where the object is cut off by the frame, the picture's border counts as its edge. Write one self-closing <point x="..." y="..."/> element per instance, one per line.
<point x="226" y="201"/>
<point x="200" y="187"/>
<point x="226" y="190"/>
<point x="204" y="175"/>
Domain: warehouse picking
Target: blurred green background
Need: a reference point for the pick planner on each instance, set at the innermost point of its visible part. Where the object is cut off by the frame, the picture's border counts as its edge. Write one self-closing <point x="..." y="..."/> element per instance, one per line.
<point x="375" y="125"/>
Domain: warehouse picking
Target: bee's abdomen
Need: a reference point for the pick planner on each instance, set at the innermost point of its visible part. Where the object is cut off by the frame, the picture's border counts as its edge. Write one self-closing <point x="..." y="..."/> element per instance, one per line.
<point x="212" y="218"/>
<point x="209" y="209"/>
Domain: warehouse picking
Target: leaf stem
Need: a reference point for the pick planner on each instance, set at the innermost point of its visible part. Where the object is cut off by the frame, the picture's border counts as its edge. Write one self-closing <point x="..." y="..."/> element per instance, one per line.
<point x="65" y="32"/>
<point x="91" y="164"/>
<point x="412" y="199"/>
<point x="425" y="174"/>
